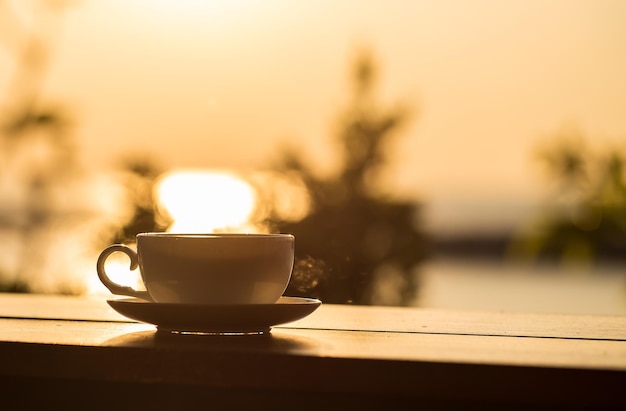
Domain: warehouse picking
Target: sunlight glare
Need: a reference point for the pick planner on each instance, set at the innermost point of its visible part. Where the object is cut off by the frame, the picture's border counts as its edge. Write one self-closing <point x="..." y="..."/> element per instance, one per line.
<point x="205" y="202"/>
<point x="117" y="269"/>
<point x="282" y="194"/>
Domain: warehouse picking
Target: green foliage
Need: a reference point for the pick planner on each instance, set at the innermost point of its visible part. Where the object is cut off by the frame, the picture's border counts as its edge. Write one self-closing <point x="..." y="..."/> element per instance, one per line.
<point x="588" y="222"/>
<point x="355" y="242"/>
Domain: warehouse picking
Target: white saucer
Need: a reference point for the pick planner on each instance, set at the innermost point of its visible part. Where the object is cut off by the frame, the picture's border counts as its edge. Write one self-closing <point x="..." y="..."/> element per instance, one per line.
<point x="216" y="319"/>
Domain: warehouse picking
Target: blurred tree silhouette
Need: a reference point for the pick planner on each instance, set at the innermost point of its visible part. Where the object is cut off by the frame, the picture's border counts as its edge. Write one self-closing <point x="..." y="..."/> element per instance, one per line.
<point x="588" y="222"/>
<point x="46" y="197"/>
<point x="37" y="153"/>
<point x="355" y="246"/>
<point x="38" y="158"/>
<point x="141" y="174"/>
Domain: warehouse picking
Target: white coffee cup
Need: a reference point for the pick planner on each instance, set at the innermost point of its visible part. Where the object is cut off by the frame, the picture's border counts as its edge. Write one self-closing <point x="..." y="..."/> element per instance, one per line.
<point x="207" y="268"/>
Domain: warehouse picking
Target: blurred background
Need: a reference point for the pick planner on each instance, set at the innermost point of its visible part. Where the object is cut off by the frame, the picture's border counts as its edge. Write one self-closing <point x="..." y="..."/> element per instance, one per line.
<point x="447" y="154"/>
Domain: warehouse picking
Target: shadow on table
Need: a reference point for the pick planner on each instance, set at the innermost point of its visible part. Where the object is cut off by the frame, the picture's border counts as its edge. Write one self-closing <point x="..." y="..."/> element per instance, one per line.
<point x="272" y="342"/>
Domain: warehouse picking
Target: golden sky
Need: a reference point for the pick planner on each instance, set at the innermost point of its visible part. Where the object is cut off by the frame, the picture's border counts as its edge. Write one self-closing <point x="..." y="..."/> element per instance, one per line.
<point x="218" y="84"/>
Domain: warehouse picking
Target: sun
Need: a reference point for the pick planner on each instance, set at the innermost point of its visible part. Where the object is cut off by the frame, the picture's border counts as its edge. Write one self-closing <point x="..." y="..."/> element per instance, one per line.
<point x="205" y="201"/>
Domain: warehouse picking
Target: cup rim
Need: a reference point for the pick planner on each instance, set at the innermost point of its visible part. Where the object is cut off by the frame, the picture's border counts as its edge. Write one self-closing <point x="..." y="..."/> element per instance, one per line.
<point x="215" y="235"/>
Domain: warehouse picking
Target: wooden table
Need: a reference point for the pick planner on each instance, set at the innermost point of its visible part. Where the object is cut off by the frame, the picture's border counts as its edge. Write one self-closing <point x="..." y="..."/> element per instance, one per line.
<point x="57" y="352"/>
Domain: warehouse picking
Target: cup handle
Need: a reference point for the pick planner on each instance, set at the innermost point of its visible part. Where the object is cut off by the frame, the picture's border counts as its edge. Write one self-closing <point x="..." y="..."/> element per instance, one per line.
<point x="114" y="287"/>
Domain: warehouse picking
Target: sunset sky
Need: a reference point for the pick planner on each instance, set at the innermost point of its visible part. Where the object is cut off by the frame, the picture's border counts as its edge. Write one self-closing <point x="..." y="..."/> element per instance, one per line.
<point x="221" y="83"/>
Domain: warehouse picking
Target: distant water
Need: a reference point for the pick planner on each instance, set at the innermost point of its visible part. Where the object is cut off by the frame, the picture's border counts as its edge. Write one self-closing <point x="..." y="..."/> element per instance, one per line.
<point x="496" y="286"/>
